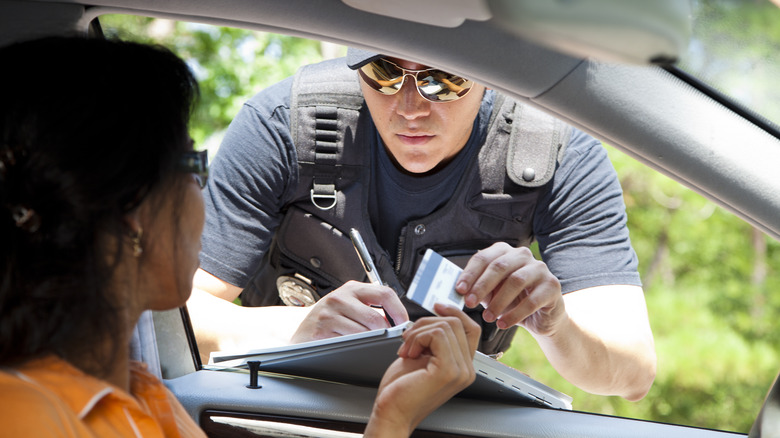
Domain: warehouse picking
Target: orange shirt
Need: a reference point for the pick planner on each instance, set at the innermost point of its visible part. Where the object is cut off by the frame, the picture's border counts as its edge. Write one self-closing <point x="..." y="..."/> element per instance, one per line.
<point x="51" y="398"/>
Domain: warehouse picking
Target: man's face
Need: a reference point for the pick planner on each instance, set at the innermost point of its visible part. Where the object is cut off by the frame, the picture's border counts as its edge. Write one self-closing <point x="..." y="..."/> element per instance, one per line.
<point x="420" y="135"/>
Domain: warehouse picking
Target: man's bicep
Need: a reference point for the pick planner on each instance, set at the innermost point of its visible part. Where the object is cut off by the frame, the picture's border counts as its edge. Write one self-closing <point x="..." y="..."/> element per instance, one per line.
<point x="611" y="310"/>
<point x="248" y="185"/>
<point x="215" y="286"/>
<point x="583" y="217"/>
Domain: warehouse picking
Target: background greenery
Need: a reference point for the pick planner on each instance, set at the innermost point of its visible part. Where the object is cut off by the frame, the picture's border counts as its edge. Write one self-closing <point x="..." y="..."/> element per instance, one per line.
<point x="708" y="276"/>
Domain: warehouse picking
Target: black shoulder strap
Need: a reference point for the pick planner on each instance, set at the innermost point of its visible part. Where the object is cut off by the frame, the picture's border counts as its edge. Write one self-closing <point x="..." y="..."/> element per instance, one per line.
<point x="325" y="109"/>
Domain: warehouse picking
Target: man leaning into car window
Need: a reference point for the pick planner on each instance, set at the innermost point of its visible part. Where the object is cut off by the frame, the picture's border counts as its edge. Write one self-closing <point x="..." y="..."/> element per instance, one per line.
<point x="416" y="158"/>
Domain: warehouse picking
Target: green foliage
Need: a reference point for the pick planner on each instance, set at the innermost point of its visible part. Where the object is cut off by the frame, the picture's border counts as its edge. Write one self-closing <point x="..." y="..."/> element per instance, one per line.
<point x="686" y="241"/>
<point x="713" y="325"/>
<point x="741" y="39"/>
<point x="708" y="375"/>
<point x="230" y="64"/>
<point x="708" y="275"/>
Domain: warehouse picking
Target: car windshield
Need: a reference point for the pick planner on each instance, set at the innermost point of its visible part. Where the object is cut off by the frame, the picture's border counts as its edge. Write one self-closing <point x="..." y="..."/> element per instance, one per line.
<point x="734" y="49"/>
<point x="708" y="276"/>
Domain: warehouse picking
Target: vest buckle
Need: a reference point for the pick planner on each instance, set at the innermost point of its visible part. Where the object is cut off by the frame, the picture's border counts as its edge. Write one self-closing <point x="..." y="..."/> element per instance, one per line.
<point x="323" y="197"/>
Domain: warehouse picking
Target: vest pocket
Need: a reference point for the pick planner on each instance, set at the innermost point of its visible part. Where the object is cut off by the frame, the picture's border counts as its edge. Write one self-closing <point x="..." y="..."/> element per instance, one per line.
<point x="321" y="251"/>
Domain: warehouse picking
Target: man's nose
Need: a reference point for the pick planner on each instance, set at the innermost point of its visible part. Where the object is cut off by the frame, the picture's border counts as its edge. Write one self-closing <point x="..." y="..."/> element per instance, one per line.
<point x="411" y="104"/>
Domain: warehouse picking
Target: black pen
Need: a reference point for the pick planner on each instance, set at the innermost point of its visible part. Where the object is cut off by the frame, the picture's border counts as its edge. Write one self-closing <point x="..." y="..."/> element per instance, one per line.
<point x="368" y="264"/>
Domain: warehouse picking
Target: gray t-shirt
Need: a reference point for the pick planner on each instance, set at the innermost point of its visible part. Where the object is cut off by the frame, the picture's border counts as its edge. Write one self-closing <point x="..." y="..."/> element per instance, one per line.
<point x="579" y="222"/>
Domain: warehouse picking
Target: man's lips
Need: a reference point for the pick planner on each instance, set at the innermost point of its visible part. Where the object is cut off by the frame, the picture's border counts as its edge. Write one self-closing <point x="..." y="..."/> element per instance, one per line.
<point x="414" y="139"/>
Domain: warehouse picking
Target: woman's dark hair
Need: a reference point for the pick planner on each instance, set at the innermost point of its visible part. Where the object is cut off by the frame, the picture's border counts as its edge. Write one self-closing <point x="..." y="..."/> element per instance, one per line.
<point x="88" y="129"/>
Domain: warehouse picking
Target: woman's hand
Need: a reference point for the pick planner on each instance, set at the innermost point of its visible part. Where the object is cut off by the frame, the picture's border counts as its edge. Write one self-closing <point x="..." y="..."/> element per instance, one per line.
<point x="434" y="363"/>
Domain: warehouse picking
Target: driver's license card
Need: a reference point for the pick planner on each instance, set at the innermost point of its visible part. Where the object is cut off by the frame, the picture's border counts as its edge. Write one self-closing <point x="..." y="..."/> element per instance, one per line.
<point x="434" y="282"/>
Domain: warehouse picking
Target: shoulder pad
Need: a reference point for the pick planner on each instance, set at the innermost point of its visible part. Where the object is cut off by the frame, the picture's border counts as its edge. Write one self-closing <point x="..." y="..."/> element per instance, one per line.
<point x="536" y="144"/>
<point x="327" y="83"/>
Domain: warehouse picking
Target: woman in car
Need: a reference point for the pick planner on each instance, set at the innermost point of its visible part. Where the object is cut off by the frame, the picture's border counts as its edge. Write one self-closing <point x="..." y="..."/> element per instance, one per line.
<point x="100" y="217"/>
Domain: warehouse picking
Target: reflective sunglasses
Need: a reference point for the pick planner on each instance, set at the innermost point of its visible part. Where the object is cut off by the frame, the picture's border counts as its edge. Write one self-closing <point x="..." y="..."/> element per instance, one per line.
<point x="434" y="85"/>
<point x="196" y="163"/>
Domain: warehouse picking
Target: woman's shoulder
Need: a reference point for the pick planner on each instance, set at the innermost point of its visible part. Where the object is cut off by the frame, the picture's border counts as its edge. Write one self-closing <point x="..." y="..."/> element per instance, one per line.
<point x="30" y="409"/>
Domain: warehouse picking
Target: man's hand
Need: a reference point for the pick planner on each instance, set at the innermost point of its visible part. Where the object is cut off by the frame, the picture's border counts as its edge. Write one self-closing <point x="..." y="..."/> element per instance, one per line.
<point x="514" y="288"/>
<point x="347" y="310"/>
<point x="599" y="340"/>
<point x="435" y="362"/>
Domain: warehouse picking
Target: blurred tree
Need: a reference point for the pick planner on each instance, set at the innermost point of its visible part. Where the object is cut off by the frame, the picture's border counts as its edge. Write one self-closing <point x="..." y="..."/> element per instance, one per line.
<point x="735" y="51"/>
<point x="717" y="356"/>
<point x="230" y="64"/>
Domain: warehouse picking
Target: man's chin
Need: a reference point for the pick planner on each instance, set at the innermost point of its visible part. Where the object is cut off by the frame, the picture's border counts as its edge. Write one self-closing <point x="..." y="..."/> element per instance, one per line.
<point x="418" y="168"/>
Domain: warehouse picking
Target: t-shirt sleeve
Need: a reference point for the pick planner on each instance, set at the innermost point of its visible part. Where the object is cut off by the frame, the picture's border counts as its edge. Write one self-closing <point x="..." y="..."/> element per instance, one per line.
<point x="580" y="221"/>
<point x="251" y="176"/>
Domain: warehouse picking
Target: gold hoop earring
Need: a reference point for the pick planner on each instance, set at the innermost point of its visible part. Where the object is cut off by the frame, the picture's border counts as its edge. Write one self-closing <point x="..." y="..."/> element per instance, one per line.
<point x="137" y="248"/>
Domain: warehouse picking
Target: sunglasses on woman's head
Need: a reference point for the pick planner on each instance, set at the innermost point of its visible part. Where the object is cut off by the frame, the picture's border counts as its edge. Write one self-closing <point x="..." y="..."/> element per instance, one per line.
<point x="434" y="85"/>
<point x="197" y="163"/>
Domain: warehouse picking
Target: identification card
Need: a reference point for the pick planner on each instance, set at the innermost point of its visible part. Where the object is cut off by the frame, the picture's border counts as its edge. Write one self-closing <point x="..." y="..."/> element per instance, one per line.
<point x="434" y="282"/>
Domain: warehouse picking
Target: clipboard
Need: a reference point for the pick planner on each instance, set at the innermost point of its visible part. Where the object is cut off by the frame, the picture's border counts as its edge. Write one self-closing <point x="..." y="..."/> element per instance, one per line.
<point x="362" y="358"/>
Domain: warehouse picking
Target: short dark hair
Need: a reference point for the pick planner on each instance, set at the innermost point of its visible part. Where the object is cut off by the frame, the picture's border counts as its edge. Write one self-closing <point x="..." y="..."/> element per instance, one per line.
<point x="88" y="129"/>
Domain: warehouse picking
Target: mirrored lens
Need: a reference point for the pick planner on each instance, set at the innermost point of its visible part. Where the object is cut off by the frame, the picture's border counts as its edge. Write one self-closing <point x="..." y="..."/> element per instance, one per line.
<point x="383" y="76"/>
<point x="439" y="86"/>
<point x="433" y="84"/>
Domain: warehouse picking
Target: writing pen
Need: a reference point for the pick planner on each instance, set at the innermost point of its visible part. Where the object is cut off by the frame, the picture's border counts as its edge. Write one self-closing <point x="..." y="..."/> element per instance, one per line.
<point x="365" y="257"/>
<point x="368" y="264"/>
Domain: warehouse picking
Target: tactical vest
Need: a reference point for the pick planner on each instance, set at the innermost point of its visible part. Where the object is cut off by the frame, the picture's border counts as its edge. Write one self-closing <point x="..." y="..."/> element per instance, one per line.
<point x="311" y="252"/>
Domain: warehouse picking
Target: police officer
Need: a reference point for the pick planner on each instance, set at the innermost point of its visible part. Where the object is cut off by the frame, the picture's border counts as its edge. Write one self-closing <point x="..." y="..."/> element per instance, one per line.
<point x="409" y="151"/>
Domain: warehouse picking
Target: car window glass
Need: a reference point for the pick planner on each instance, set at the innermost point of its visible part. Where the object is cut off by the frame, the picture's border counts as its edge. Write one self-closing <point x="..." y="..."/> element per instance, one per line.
<point x="708" y="276"/>
<point x="734" y="50"/>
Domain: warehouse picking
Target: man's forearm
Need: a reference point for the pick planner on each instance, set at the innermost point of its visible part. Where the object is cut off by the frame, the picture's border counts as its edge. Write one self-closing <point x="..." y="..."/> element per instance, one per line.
<point x="222" y="325"/>
<point x="605" y="346"/>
